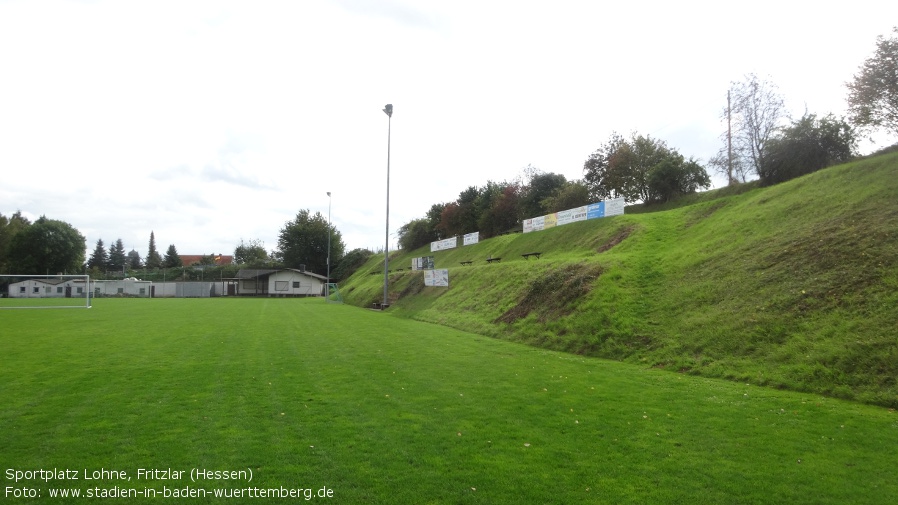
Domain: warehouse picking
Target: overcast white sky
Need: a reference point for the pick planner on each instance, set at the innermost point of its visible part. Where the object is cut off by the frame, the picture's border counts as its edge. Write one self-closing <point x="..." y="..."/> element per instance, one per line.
<point x="209" y="122"/>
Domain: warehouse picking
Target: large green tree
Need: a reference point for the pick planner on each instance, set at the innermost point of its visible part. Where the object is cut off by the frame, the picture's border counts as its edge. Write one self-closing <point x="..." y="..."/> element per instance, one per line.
<point x="460" y="217"/>
<point x="99" y="258"/>
<point x="118" y="259"/>
<point x="676" y="176"/>
<point x="641" y="169"/>
<point x="154" y="259"/>
<point x="806" y="146"/>
<point x="9" y="228"/>
<point x="172" y="259"/>
<point x="304" y="241"/>
<point x="873" y="93"/>
<point x="504" y="211"/>
<point x="416" y="233"/>
<point x="490" y="209"/>
<point x="433" y="218"/>
<point x="605" y="173"/>
<point x="349" y="263"/>
<point x="541" y="185"/>
<point x="251" y="253"/>
<point x="419" y="232"/>
<point x="134" y="261"/>
<point x="47" y="246"/>
<point x="572" y="195"/>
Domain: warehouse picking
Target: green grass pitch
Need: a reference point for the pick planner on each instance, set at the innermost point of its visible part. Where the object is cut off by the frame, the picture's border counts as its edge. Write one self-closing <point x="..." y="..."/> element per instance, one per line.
<point x="377" y="409"/>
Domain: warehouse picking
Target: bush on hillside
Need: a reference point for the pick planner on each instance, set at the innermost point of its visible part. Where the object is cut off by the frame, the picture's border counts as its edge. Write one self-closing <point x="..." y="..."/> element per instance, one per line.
<point x="808" y="145"/>
<point x="349" y="263"/>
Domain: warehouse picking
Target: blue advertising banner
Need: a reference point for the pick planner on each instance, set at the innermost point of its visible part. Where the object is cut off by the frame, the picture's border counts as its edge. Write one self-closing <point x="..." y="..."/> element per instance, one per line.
<point x="595" y="210"/>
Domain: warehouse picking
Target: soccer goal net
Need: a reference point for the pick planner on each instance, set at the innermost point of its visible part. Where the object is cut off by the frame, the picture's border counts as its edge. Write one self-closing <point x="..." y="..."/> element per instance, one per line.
<point x="333" y="293"/>
<point x="44" y="291"/>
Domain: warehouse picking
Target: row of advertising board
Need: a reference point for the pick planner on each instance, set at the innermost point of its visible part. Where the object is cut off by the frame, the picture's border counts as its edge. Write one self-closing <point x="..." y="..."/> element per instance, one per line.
<point x="596" y="210"/>
<point x="452" y="242"/>
<point x="422" y="263"/>
<point x="432" y="276"/>
<point x="592" y="211"/>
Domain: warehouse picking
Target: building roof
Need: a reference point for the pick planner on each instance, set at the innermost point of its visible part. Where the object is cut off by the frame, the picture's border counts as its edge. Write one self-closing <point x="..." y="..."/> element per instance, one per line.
<point x="52" y="282"/>
<point x="253" y="273"/>
<point x="256" y="273"/>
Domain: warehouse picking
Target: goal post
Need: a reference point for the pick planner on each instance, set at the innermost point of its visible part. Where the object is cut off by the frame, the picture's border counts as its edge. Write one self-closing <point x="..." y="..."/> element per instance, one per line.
<point x="60" y="291"/>
<point x="333" y="293"/>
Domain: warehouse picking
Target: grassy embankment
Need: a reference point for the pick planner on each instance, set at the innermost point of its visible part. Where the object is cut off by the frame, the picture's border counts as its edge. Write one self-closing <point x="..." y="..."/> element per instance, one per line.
<point x="792" y="286"/>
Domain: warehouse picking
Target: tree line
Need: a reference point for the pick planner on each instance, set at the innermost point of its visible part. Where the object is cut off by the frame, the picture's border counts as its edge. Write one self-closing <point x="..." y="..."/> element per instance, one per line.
<point x="638" y="168"/>
<point x="49" y="246"/>
<point x="115" y="259"/>
<point x="761" y="143"/>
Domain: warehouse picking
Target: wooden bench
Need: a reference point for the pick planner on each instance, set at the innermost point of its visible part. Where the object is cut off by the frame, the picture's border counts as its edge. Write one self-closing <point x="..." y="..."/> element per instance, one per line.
<point x="466" y="263"/>
<point x="490" y="260"/>
<point x="528" y="255"/>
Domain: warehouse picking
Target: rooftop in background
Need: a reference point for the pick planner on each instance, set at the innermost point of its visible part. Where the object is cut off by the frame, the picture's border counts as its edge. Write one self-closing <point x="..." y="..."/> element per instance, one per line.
<point x="217" y="259"/>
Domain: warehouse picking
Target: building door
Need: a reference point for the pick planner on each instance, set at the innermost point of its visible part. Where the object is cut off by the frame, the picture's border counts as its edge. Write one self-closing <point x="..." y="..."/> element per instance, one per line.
<point x="68" y="291"/>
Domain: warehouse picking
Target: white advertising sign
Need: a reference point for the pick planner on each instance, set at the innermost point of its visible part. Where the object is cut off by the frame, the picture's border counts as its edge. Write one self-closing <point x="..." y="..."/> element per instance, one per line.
<point x="439" y="278"/>
<point x="614" y="207"/>
<point x="441" y="245"/>
<point x="565" y="217"/>
<point x="539" y="223"/>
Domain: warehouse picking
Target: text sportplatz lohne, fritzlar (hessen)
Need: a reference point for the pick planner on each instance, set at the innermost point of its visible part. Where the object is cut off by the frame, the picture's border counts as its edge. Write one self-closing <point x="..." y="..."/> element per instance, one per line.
<point x="144" y="474"/>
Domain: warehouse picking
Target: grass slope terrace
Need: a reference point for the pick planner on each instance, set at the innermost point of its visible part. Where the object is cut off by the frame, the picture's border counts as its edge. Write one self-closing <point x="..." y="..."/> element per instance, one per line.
<point x="792" y="286"/>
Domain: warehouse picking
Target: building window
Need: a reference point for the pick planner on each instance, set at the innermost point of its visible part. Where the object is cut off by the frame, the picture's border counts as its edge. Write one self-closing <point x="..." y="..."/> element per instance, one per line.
<point x="121" y="290"/>
<point x="80" y="291"/>
<point x="59" y="289"/>
<point x="143" y="291"/>
<point x="295" y="284"/>
<point x="280" y="285"/>
<point x="37" y="289"/>
<point x="21" y="289"/>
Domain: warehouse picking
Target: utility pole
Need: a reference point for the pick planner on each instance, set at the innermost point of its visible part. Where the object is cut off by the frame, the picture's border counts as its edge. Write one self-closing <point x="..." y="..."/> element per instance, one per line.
<point x="729" y="142"/>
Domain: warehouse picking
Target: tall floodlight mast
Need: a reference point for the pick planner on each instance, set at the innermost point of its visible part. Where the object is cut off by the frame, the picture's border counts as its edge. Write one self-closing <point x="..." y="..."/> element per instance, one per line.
<point x="327" y="284"/>
<point x="388" y="110"/>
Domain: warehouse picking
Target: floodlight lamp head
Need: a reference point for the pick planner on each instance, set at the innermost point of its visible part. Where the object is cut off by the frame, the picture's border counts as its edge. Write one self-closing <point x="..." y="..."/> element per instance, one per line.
<point x="389" y="110"/>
